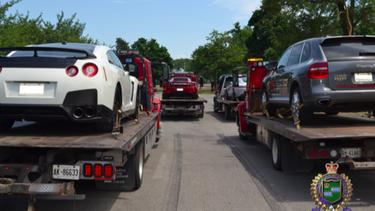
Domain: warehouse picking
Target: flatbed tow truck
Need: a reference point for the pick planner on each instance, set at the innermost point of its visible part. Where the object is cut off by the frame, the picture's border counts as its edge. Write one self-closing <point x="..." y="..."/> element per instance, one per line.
<point x="43" y="160"/>
<point x="182" y="106"/>
<point x="345" y="138"/>
<point x="229" y="106"/>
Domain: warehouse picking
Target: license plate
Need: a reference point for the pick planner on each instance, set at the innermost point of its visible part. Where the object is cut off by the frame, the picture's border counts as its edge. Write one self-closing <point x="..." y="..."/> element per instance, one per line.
<point x="65" y="172"/>
<point x="31" y="88"/>
<point x="362" y="77"/>
<point x="180" y="89"/>
<point x="351" y="152"/>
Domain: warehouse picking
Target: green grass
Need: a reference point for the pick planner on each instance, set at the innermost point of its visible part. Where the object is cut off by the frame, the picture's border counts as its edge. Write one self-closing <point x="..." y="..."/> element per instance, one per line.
<point x="205" y="90"/>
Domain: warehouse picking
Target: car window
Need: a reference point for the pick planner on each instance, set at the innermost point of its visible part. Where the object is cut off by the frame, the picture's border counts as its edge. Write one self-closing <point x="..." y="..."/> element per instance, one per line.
<point x="284" y="59"/>
<point x="180" y="80"/>
<point x="306" y="53"/>
<point x="353" y="49"/>
<point x="110" y="59"/>
<point x="227" y="81"/>
<point x="295" y="54"/>
<point x="116" y="60"/>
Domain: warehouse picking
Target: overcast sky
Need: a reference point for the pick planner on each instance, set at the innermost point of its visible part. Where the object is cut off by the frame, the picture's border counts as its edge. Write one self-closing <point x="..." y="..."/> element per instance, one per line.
<point x="179" y="25"/>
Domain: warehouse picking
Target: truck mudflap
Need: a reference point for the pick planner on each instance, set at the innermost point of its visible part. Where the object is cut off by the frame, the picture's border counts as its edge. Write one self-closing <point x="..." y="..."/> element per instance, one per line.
<point x="60" y="191"/>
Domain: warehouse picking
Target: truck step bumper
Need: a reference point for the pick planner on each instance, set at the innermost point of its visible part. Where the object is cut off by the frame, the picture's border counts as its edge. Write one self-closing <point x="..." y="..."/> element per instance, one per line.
<point x="362" y="165"/>
<point x="47" y="191"/>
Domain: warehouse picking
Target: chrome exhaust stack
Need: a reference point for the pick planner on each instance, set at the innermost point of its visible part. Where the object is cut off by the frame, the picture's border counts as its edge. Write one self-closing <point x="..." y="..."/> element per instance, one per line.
<point x="324" y="102"/>
<point x="77" y="112"/>
<point x="89" y="112"/>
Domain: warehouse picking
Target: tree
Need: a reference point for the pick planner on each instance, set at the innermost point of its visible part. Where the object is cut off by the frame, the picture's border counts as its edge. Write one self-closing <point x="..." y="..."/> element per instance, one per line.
<point x="219" y="56"/>
<point x="154" y="52"/>
<point x="20" y="30"/>
<point x="121" y="44"/>
<point x="182" y="63"/>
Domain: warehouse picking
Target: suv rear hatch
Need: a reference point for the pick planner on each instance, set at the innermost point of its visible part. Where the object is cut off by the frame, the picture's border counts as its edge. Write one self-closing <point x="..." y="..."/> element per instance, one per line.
<point x="351" y="62"/>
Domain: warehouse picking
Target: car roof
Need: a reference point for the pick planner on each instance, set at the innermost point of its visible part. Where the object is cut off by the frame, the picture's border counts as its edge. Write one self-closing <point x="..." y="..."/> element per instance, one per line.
<point x="320" y="40"/>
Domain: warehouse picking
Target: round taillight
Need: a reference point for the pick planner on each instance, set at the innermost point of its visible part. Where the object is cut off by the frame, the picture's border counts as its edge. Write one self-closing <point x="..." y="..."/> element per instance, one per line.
<point x="314" y="153"/>
<point x="324" y="153"/>
<point x="90" y="70"/>
<point x="71" y="71"/>
<point x="255" y="64"/>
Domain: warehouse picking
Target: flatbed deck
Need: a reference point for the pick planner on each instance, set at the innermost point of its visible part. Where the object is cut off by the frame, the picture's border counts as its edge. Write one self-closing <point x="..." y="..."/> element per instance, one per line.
<point x="76" y="136"/>
<point x="229" y="102"/>
<point x="199" y="100"/>
<point x="324" y="127"/>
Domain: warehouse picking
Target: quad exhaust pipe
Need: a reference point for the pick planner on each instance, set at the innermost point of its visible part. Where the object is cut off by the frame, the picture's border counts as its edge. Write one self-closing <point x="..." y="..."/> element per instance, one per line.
<point x="77" y="112"/>
<point x="88" y="112"/>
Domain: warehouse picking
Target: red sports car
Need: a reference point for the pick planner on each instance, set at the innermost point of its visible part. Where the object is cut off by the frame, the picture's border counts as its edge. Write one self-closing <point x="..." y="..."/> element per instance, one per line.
<point x="180" y="87"/>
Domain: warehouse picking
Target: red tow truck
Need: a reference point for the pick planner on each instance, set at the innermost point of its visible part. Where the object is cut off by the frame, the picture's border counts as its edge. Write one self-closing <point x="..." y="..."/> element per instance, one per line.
<point x="344" y="138"/>
<point x="44" y="160"/>
<point x="184" y="98"/>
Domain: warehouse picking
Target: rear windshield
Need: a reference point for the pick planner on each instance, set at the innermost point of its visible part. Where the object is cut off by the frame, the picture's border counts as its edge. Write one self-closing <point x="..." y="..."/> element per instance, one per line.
<point x="227" y="81"/>
<point x="61" y="54"/>
<point x="348" y="48"/>
<point x="180" y="80"/>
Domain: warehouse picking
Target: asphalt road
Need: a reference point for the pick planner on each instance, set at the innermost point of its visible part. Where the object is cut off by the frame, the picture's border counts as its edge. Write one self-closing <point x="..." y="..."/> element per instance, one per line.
<point x="201" y="164"/>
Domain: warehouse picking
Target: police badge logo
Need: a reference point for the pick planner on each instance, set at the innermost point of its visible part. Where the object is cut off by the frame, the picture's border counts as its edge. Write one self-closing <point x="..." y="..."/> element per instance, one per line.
<point x="331" y="191"/>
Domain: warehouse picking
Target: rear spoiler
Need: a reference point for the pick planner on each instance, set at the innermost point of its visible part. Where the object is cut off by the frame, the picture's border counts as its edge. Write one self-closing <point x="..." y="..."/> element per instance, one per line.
<point x="342" y="39"/>
<point x="89" y="55"/>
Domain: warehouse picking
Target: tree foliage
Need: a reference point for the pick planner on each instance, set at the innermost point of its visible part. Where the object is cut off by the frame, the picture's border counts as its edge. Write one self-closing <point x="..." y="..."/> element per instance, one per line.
<point x="223" y="52"/>
<point x="154" y="52"/>
<point x="277" y="25"/>
<point x="182" y="63"/>
<point x="121" y="44"/>
<point x="20" y="30"/>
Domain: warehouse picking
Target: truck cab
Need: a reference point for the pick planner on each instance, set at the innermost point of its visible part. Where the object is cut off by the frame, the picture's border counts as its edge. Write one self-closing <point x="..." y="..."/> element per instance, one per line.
<point x="141" y="68"/>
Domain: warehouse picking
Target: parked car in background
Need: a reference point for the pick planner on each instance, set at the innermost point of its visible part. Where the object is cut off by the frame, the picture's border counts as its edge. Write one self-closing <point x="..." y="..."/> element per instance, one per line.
<point x="181" y="87"/>
<point x="236" y="90"/>
<point x="331" y="75"/>
<point x="75" y="82"/>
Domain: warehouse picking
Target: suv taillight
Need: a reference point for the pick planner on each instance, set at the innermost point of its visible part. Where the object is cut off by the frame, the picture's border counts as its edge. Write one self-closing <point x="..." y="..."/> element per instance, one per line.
<point x="319" y="70"/>
<point x="71" y="71"/>
<point x="90" y="70"/>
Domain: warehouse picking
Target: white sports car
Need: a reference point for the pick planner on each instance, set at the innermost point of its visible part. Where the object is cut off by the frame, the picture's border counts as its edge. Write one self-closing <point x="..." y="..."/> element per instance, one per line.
<point x="70" y="81"/>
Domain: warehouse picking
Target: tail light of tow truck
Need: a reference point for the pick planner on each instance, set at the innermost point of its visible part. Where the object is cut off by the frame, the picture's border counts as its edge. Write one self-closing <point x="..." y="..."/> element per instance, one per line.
<point x="322" y="153"/>
<point x="98" y="171"/>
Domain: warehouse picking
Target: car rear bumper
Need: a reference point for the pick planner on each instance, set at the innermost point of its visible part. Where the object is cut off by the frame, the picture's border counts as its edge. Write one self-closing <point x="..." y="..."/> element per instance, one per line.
<point x="327" y="100"/>
<point x="78" y="106"/>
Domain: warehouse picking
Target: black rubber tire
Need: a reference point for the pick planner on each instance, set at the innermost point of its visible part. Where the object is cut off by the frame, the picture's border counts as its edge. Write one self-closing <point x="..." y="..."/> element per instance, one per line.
<point x="242" y="137"/>
<point x="332" y="113"/>
<point x="136" y="107"/>
<point x="195" y="96"/>
<point x="227" y="112"/>
<point x="108" y="126"/>
<point x="6" y="125"/>
<point x="138" y="164"/>
<point x="270" y="108"/>
<point x="201" y="115"/>
<point x="276" y="152"/>
<point x="305" y="116"/>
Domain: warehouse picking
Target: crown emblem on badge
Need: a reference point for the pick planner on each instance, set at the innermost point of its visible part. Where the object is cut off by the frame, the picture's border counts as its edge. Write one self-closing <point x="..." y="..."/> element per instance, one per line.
<point x="332" y="168"/>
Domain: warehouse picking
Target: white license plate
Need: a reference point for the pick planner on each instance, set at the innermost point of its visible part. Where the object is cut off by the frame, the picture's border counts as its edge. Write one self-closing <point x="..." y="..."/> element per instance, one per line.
<point x="351" y="152"/>
<point x="180" y="89"/>
<point x="31" y="88"/>
<point x="65" y="172"/>
<point x="362" y="77"/>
